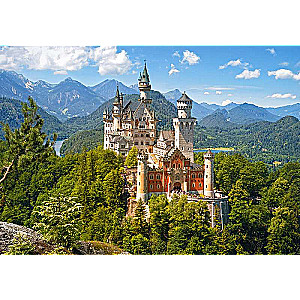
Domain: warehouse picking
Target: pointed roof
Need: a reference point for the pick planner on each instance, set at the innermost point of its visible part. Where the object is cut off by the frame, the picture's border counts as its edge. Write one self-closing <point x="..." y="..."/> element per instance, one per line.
<point x="117" y="97"/>
<point x="184" y="97"/>
<point x="144" y="76"/>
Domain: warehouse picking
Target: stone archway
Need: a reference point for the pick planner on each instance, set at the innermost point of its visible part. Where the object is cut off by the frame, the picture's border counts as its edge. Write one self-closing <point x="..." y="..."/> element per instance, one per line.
<point x="177" y="186"/>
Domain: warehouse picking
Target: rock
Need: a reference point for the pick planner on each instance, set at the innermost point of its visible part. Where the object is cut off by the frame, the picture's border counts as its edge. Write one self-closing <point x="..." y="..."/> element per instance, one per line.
<point x="98" y="248"/>
<point x="9" y="231"/>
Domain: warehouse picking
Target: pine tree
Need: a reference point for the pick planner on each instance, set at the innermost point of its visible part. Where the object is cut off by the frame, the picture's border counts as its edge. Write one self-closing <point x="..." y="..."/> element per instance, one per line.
<point x="131" y="159"/>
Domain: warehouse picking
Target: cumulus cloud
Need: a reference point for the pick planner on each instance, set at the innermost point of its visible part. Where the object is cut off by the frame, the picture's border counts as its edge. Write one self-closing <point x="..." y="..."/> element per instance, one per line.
<point x="110" y="61"/>
<point x="272" y="51"/>
<point x="62" y="72"/>
<point x="173" y="70"/>
<point x="226" y="102"/>
<point x="246" y="74"/>
<point x="284" y="74"/>
<point x="176" y="54"/>
<point x="234" y="63"/>
<point x="190" y="57"/>
<point x="282" y="96"/>
<point x="206" y="93"/>
<point x="284" y="64"/>
<point x="218" y="92"/>
<point x="59" y="59"/>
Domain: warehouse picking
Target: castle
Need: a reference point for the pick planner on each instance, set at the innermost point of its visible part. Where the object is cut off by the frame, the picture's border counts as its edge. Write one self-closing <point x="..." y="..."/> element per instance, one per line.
<point x="165" y="159"/>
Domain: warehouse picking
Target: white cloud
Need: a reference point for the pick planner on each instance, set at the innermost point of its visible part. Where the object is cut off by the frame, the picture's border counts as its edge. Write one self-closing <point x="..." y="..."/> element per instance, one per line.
<point x="272" y="51"/>
<point x="234" y="63"/>
<point x="176" y="53"/>
<point x="173" y="70"/>
<point x="213" y="88"/>
<point x="59" y="59"/>
<point x="218" y="92"/>
<point x="206" y="93"/>
<point x="246" y="74"/>
<point x="62" y="72"/>
<point x="190" y="57"/>
<point x="284" y="64"/>
<point x="284" y="74"/>
<point x="134" y="71"/>
<point x="282" y="96"/>
<point x="110" y="61"/>
<point x="226" y="102"/>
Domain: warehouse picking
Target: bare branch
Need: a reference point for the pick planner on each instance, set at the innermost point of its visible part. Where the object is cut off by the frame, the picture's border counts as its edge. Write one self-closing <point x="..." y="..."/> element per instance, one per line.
<point x="7" y="171"/>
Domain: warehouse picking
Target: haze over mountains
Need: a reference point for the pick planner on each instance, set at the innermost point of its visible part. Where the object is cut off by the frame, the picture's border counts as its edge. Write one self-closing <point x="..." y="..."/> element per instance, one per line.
<point x="70" y="98"/>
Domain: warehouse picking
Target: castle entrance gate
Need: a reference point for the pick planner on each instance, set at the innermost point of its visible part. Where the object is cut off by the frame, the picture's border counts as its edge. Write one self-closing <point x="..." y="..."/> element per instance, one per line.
<point x="177" y="186"/>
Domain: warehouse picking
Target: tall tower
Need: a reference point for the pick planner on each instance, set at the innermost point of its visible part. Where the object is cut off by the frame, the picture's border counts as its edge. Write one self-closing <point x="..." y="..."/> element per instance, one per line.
<point x="117" y="111"/>
<point x="184" y="127"/>
<point x="144" y="86"/>
<point x="142" y="175"/>
<point x="209" y="174"/>
<point x="107" y="128"/>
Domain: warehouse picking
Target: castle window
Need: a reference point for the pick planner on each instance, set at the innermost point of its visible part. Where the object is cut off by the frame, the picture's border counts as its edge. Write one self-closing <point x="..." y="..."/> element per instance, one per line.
<point x="158" y="186"/>
<point x="146" y="143"/>
<point x="174" y="166"/>
<point x="142" y="143"/>
<point x="158" y="176"/>
<point x="179" y="166"/>
<point x="206" y="186"/>
<point x="151" y="176"/>
<point x="151" y="186"/>
<point x="189" y="149"/>
<point x="193" y="185"/>
<point x="147" y="135"/>
<point x="193" y="175"/>
<point x="199" y="184"/>
<point x="206" y="166"/>
<point x="136" y="143"/>
<point x="122" y="146"/>
<point x="182" y="148"/>
<point x="139" y="183"/>
<point x="142" y="135"/>
<point x="206" y="176"/>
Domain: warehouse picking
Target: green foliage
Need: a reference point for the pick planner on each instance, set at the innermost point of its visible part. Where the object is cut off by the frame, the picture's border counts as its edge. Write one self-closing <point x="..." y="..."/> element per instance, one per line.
<point x="131" y="159"/>
<point x="58" y="220"/>
<point x="20" y="246"/>
<point x="284" y="235"/>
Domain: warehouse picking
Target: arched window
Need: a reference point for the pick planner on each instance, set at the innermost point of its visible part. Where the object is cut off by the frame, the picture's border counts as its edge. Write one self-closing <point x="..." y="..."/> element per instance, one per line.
<point x="193" y="175"/>
<point x="179" y="166"/>
<point x="199" y="184"/>
<point x="151" y="176"/>
<point x="193" y="185"/>
<point x="158" y="176"/>
<point x="158" y="186"/>
<point x="151" y="186"/>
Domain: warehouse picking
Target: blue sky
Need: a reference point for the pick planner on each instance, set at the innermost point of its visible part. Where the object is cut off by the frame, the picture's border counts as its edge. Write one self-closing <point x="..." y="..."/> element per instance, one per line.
<point x="263" y="75"/>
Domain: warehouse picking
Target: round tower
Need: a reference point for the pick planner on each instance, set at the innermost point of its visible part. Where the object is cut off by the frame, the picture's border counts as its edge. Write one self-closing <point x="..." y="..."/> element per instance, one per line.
<point x="209" y="174"/>
<point x="142" y="175"/>
<point x="184" y="127"/>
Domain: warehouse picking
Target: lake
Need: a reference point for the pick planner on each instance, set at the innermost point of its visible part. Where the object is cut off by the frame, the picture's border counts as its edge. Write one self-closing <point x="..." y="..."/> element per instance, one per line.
<point x="213" y="150"/>
<point x="57" y="147"/>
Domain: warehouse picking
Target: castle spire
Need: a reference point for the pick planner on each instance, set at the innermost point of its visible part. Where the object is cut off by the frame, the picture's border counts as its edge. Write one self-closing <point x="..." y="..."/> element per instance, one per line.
<point x="144" y="85"/>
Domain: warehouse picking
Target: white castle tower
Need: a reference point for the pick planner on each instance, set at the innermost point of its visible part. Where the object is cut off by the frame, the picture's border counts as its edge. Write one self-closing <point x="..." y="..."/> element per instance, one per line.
<point x="144" y="86"/>
<point x="209" y="174"/>
<point x="184" y="127"/>
<point x="141" y="190"/>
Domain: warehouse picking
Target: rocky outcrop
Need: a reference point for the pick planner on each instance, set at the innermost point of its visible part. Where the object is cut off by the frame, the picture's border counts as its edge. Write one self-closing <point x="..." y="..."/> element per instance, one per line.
<point x="98" y="248"/>
<point x="10" y="232"/>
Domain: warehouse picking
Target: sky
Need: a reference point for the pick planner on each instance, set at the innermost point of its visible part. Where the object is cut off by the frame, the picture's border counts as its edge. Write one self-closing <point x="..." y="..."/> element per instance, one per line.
<point x="262" y="75"/>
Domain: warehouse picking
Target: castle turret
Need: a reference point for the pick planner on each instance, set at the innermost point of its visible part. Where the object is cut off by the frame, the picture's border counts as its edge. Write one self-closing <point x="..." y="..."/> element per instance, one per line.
<point x="184" y="127"/>
<point x="209" y="174"/>
<point x="117" y="111"/>
<point x="144" y="86"/>
<point x="142" y="175"/>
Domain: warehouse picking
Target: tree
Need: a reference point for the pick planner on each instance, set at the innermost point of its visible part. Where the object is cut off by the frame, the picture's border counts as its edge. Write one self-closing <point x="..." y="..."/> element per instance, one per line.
<point x="58" y="220"/>
<point x="284" y="235"/>
<point x="21" y="245"/>
<point x="26" y="144"/>
<point x="131" y="159"/>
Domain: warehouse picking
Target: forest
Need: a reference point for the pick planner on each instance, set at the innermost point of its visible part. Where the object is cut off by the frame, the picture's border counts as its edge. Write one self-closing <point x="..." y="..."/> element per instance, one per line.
<point x="82" y="197"/>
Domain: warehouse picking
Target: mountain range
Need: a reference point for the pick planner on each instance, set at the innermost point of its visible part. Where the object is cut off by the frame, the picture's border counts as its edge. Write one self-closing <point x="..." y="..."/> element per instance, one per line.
<point x="71" y="99"/>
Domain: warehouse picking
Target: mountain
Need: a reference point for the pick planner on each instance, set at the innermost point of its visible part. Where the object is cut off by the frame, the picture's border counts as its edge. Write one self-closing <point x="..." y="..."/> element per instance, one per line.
<point x="288" y="110"/>
<point x="66" y="99"/>
<point x="249" y="113"/>
<point x="165" y="111"/>
<point x="173" y="95"/>
<point x="135" y="87"/>
<point x="219" y="118"/>
<point x="263" y="140"/>
<point x="107" y="88"/>
<point x="11" y="113"/>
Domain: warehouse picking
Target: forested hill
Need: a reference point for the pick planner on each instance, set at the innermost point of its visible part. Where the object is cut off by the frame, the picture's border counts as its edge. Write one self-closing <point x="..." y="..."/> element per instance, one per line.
<point x="11" y="113"/>
<point x="266" y="141"/>
<point x="163" y="108"/>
